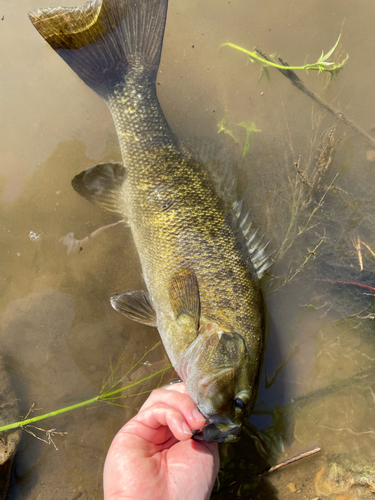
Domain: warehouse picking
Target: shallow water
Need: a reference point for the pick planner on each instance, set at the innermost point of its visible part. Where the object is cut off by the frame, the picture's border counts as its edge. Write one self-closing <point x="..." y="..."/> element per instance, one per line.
<point x="58" y="331"/>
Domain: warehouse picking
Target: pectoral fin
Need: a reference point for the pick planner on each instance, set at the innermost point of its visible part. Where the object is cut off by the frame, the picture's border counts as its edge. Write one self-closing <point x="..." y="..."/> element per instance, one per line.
<point x="184" y="295"/>
<point x="135" y="305"/>
<point x="102" y="184"/>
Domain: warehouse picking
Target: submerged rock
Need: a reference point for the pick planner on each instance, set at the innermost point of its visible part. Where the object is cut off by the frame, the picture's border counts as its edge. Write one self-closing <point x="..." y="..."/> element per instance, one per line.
<point x="9" y="441"/>
<point x="347" y="475"/>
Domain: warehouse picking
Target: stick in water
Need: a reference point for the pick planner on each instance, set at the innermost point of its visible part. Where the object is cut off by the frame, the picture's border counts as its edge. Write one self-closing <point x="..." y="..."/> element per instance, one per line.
<point x="292" y="460"/>
<point x="297" y="82"/>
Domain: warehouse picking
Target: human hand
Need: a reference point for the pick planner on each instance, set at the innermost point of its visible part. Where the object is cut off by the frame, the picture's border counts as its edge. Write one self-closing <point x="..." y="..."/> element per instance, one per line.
<point x="153" y="456"/>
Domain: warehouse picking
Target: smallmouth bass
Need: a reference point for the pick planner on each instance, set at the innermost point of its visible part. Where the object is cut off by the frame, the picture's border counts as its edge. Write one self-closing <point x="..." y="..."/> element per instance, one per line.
<point x="203" y="291"/>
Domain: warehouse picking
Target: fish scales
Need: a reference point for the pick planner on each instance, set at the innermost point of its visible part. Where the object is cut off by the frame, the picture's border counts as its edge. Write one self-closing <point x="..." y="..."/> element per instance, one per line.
<point x="202" y="290"/>
<point x="193" y="232"/>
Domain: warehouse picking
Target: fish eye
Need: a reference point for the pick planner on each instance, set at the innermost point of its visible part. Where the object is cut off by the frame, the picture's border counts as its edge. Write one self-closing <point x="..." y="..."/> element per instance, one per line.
<point x="238" y="403"/>
<point x="242" y="400"/>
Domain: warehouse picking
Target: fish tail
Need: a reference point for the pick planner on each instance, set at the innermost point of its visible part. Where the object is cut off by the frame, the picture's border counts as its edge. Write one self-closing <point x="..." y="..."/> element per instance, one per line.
<point x="103" y="40"/>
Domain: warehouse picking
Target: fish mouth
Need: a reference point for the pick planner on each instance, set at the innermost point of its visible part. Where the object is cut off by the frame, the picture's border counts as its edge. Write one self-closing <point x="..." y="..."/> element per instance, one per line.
<point x="218" y="433"/>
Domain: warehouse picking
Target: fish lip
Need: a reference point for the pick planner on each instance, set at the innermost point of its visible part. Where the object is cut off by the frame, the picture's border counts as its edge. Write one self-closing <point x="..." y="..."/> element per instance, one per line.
<point x="211" y="433"/>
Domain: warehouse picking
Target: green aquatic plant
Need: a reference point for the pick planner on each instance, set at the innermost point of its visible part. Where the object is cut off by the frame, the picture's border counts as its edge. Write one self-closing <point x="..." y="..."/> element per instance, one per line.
<point x="250" y="128"/>
<point x="321" y="65"/>
<point x="222" y="127"/>
<point x="110" y="392"/>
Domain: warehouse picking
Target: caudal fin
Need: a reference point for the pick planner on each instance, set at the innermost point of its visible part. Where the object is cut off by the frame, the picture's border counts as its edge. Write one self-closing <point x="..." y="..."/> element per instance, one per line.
<point x="102" y="39"/>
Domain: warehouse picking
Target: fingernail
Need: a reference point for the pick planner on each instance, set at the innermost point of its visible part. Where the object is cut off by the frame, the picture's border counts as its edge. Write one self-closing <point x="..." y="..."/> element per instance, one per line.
<point x="198" y="415"/>
<point x="186" y="429"/>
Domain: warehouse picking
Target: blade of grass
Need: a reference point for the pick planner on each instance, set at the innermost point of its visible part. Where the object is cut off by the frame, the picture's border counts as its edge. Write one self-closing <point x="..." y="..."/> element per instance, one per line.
<point x="99" y="398"/>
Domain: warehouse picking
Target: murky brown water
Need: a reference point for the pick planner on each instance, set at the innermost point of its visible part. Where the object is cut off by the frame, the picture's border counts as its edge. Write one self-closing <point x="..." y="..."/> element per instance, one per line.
<point x="58" y="331"/>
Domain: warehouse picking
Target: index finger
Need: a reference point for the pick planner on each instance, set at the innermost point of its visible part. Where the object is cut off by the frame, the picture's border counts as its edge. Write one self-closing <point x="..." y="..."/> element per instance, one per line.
<point x="177" y="386"/>
<point x="176" y="396"/>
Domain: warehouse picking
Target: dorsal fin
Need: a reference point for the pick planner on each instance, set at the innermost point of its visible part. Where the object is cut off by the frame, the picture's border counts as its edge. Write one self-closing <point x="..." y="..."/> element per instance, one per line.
<point x="218" y="160"/>
<point x="254" y="243"/>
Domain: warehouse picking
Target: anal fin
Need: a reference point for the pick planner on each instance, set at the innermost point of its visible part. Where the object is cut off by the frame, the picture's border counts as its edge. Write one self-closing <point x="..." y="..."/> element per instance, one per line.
<point x="135" y="305"/>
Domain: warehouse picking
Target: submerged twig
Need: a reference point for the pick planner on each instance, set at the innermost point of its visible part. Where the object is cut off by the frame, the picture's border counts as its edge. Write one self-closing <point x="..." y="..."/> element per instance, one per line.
<point x="362" y="285"/>
<point x="292" y="460"/>
<point x="297" y="82"/>
<point x="293" y="351"/>
<point x="310" y="254"/>
<point x="49" y="435"/>
<point x="357" y="246"/>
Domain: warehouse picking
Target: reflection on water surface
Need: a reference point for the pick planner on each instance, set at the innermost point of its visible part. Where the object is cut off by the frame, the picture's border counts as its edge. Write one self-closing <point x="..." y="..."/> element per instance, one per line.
<point x="58" y="331"/>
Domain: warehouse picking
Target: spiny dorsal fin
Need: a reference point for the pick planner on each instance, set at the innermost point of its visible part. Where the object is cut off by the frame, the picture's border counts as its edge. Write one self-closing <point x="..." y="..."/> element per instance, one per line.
<point x="135" y="305"/>
<point x="102" y="185"/>
<point x="184" y="295"/>
<point x="257" y="249"/>
<point x="102" y="39"/>
<point x="218" y="160"/>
